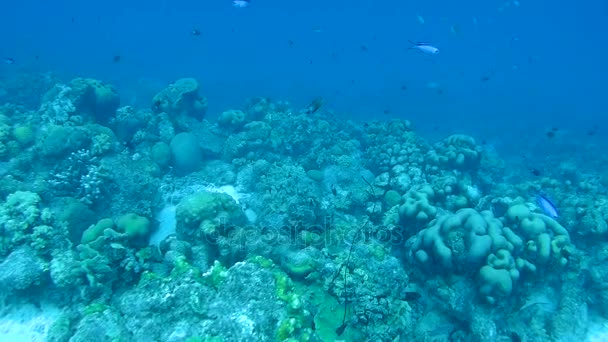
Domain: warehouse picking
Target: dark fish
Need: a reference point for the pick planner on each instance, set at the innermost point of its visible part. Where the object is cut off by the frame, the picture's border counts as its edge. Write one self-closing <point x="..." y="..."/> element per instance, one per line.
<point x="484" y="78"/>
<point x="593" y="130"/>
<point x="386" y="111"/>
<point x="403" y="87"/>
<point x="195" y="32"/>
<point x="340" y="329"/>
<point x="315" y="105"/>
<point x="290" y="43"/>
<point x="551" y="133"/>
<point x="334" y="191"/>
<point x="9" y="60"/>
<point x="411" y="296"/>
<point x="535" y="172"/>
<point x="363" y="48"/>
<point x="116" y="59"/>
<point x="515" y="337"/>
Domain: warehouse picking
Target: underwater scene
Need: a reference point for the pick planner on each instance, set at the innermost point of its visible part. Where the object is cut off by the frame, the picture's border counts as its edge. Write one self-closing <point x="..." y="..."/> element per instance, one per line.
<point x="264" y="170"/>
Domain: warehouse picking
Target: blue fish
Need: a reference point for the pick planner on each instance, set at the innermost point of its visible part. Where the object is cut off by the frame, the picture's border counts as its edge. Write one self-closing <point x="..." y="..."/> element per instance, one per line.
<point x="9" y="60"/>
<point x="547" y="206"/>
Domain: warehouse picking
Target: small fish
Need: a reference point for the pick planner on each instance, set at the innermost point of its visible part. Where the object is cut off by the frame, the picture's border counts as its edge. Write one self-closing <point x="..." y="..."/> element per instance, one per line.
<point x="315" y="105"/>
<point x="195" y="32"/>
<point x="341" y="328"/>
<point x="290" y="43"/>
<point x="547" y="206"/>
<point x="425" y="48"/>
<point x="593" y="130"/>
<point x="116" y="59"/>
<point x="534" y="171"/>
<point x="420" y="19"/>
<point x="515" y="337"/>
<point x="411" y="295"/>
<point x="551" y="134"/>
<point x="9" y="60"/>
<point x="334" y="191"/>
<point x="363" y="48"/>
<point x="241" y="3"/>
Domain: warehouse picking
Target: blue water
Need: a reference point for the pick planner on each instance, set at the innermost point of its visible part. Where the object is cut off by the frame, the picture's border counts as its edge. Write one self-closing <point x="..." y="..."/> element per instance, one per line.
<point x="543" y="59"/>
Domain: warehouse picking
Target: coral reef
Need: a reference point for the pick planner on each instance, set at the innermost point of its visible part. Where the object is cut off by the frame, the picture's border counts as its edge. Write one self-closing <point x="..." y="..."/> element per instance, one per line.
<point x="272" y="223"/>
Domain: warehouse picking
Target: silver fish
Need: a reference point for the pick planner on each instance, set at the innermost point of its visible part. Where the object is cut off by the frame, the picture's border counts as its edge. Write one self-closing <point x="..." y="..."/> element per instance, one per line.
<point x="547" y="206"/>
<point x="425" y="48"/>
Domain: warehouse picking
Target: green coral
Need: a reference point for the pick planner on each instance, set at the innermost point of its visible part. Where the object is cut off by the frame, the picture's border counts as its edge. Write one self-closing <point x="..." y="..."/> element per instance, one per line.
<point x="95" y="231"/>
<point x="133" y="225"/>
<point x="24" y="135"/>
<point x="392" y="198"/>
<point x="18" y="216"/>
<point x="204" y="212"/>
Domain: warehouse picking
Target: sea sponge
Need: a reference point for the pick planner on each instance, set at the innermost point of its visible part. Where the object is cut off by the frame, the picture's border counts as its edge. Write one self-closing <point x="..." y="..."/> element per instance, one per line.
<point x="161" y="154"/>
<point x="231" y="119"/>
<point x="181" y="98"/>
<point x="95" y="98"/>
<point x="186" y="152"/>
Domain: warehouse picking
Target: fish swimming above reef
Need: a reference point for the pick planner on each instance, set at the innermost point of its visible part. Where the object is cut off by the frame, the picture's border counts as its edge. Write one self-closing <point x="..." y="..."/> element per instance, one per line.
<point x="315" y="105"/>
<point x="241" y="3"/>
<point x="424" y="48"/>
<point x="9" y="60"/>
<point x="547" y="206"/>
